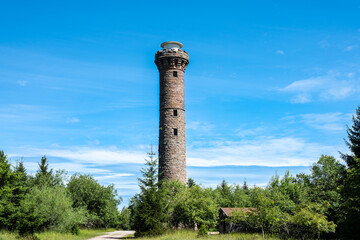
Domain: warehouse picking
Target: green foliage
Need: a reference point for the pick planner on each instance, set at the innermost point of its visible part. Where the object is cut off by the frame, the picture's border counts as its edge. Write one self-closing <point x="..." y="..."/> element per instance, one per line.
<point x="148" y="207"/>
<point x="45" y="176"/>
<point x="353" y="141"/>
<point x="190" y="182"/>
<point x="12" y="190"/>
<point x="351" y="188"/>
<point x="124" y="219"/>
<point x="195" y="207"/>
<point x="309" y="222"/>
<point x="202" y="231"/>
<point x="33" y="204"/>
<point x="100" y="202"/>
<point x="227" y="195"/>
<point x="48" y="207"/>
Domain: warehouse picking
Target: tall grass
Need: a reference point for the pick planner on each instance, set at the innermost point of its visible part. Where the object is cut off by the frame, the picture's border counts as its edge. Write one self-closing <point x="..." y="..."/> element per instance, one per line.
<point x="188" y="234"/>
<point x="51" y="235"/>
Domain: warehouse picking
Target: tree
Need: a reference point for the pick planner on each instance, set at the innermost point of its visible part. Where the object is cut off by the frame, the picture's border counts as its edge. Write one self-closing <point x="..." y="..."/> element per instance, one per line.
<point x="310" y="221"/>
<point x="13" y="187"/>
<point x="325" y="179"/>
<point x="149" y="214"/>
<point x="191" y="182"/>
<point x="267" y="217"/>
<point x="353" y="141"/>
<point x="100" y="202"/>
<point x="351" y="189"/>
<point x="224" y="194"/>
<point x="124" y="221"/>
<point x="46" y="176"/>
<point x="6" y="207"/>
<point x="195" y="207"/>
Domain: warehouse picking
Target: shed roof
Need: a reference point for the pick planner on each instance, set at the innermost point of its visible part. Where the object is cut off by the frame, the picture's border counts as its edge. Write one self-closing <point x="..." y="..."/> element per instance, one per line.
<point x="228" y="211"/>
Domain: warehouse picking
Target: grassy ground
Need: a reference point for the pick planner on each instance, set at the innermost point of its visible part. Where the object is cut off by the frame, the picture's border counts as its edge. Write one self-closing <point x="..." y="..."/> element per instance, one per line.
<point x="186" y="235"/>
<point x="49" y="235"/>
<point x="173" y="235"/>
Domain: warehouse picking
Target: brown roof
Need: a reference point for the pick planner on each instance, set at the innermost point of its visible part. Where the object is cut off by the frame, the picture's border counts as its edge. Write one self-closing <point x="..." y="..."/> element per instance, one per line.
<point x="228" y="211"/>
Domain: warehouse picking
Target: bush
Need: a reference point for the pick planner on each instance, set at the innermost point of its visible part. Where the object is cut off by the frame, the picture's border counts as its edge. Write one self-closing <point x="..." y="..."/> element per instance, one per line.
<point x="202" y="231"/>
<point x="48" y="208"/>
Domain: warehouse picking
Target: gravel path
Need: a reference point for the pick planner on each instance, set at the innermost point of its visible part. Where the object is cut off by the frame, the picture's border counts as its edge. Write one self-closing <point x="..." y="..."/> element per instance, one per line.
<point x="113" y="235"/>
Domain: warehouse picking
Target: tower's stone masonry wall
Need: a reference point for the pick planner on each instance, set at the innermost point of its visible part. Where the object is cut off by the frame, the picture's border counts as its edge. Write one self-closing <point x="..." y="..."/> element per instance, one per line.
<point x="172" y="146"/>
<point x="172" y="90"/>
<point x="172" y="149"/>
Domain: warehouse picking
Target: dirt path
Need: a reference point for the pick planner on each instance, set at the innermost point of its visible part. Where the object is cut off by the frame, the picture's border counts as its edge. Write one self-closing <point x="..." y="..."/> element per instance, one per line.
<point x="113" y="235"/>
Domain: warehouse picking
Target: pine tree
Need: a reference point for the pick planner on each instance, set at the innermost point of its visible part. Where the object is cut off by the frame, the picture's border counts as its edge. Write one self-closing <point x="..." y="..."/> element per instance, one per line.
<point x="191" y="182"/>
<point x="148" y="207"/>
<point x="44" y="167"/>
<point x="351" y="189"/>
<point x="353" y="142"/>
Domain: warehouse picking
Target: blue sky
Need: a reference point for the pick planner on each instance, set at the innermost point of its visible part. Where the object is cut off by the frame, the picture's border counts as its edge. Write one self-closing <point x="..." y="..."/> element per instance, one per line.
<point x="269" y="88"/>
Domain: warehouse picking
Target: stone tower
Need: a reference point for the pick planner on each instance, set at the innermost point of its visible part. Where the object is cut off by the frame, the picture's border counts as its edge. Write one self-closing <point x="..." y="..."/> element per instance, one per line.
<point x="171" y="62"/>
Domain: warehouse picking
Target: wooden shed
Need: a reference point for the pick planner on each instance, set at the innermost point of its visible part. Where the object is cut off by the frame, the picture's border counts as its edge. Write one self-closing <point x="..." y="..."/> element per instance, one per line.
<point x="226" y="225"/>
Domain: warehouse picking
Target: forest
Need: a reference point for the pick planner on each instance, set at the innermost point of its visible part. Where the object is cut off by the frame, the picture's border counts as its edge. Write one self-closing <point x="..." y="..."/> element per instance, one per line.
<point x="324" y="203"/>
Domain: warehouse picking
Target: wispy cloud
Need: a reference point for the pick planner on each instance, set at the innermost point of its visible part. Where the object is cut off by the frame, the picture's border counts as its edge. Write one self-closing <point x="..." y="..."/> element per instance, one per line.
<point x="351" y="47"/>
<point x="114" y="175"/>
<point x="22" y="83"/>
<point x="333" y="121"/>
<point x="265" y="151"/>
<point x="98" y="156"/>
<point x="243" y="132"/>
<point x="279" y="52"/>
<point x="329" y="87"/>
<point x="200" y="126"/>
<point x="71" y="167"/>
<point x="72" y="120"/>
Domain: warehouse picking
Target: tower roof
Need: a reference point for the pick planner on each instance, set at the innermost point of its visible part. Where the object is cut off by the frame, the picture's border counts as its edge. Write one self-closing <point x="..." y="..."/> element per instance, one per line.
<point x="171" y="45"/>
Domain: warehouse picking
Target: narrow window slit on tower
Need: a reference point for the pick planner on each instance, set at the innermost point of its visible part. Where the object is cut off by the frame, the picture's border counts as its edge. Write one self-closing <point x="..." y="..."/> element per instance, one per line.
<point x="175" y="112"/>
<point x="175" y="73"/>
<point x="175" y="131"/>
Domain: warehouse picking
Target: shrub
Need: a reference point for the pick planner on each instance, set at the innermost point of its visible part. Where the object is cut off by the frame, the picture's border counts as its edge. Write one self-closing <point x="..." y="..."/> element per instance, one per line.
<point x="48" y="208"/>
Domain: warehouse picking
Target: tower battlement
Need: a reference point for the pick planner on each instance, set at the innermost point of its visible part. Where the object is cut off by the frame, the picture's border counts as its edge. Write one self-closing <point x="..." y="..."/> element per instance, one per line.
<point x="171" y="58"/>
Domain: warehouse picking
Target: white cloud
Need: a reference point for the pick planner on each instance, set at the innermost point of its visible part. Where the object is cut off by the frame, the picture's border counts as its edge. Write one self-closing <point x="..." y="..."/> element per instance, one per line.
<point x="114" y="175"/>
<point x="199" y="126"/>
<point x="329" y="87"/>
<point x="265" y="151"/>
<point x="280" y="52"/>
<point x="301" y="98"/>
<point x="305" y="85"/>
<point x="68" y="166"/>
<point x="334" y="93"/>
<point x="22" y="83"/>
<point x="325" y="121"/>
<point x="350" y="74"/>
<point x="98" y="156"/>
<point x="249" y="132"/>
<point x="349" y="48"/>
<point x="72" y="120"/>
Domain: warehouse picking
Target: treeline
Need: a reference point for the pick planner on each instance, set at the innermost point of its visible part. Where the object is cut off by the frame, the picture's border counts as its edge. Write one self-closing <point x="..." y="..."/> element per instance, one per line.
<point x="324" y="203"/>
<point x="51" y="201"/>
